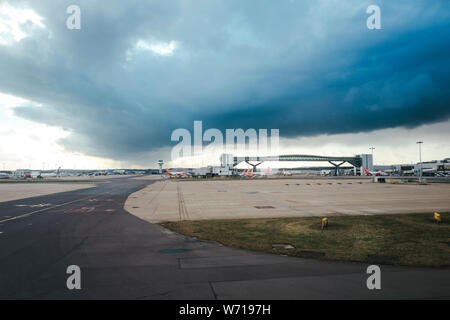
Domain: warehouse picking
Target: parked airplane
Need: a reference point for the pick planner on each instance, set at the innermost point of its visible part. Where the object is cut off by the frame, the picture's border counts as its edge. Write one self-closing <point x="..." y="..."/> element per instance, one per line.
<point x="178" y="174"/>
<point x="53" y="174"/>
<point x="376" y="173"/>
<point x="245" y="173"/>
<point x="4" y="176"/>
<point x="286" y="173"/>
<point x="248" y="173"/>
<point x="261" y="174"/>
<point x="251" y="174"/>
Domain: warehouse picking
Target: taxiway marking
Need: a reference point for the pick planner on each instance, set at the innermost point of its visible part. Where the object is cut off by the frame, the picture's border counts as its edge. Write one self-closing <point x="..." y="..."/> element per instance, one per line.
<point x="42" y="210"/>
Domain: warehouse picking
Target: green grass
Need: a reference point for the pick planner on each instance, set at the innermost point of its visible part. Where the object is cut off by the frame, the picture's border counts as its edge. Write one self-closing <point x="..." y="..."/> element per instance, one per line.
<point x="406" y="239"/>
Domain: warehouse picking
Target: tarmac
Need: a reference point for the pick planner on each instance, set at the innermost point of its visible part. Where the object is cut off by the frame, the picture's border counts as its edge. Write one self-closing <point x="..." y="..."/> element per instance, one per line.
<point x="124" y="257"/>
<point x="176" y="200"/>
<point x="13" y="191"/>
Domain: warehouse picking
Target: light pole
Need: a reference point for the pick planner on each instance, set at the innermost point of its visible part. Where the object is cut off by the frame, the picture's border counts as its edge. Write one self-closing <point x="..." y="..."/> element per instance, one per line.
<point x="420" y="159"/>
<point x="373" y="167"/>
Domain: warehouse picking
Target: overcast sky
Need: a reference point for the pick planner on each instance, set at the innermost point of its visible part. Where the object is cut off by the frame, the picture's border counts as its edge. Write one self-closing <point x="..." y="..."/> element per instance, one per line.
<point x="110" y="94"/>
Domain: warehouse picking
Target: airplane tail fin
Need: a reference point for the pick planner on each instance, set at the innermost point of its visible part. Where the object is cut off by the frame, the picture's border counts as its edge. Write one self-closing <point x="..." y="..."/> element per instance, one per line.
<point x="168" y="171"/>
<point x="367" y="171"/>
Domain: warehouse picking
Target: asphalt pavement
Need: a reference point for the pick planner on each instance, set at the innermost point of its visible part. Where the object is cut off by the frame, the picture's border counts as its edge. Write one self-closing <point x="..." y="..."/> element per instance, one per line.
<point x="123" y="257"/>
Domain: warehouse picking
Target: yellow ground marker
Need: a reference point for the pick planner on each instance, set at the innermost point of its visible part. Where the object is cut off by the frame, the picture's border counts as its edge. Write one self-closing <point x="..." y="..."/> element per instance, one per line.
<point x="324" y="223"/>
<point x="437" y="217"/>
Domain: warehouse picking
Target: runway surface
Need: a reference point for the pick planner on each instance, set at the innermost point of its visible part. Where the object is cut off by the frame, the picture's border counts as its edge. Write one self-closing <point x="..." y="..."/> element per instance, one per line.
<point x="123" y="257"/>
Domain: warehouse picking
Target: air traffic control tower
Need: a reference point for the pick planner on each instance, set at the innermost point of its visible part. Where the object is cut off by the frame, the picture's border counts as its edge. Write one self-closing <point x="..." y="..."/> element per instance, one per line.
<point x="359" y="162"/>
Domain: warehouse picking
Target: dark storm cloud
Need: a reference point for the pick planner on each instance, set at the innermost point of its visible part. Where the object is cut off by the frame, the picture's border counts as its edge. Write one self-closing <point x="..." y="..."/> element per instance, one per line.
<point x="305" y="67"/>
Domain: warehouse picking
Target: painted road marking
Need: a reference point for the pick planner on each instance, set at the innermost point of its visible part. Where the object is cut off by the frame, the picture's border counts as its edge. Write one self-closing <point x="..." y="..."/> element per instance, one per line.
<point x="41" y="205"/>
<point x="81" y="210"/>
<point x="43" y="210"/>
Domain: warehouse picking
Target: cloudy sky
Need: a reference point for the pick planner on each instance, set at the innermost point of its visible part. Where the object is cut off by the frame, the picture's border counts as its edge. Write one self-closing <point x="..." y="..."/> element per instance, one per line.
<point x="110" y="94"/>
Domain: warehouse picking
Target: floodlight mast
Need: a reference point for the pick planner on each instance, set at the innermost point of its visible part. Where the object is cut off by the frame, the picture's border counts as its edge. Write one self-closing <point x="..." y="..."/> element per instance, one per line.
<point x="420" y="159"/>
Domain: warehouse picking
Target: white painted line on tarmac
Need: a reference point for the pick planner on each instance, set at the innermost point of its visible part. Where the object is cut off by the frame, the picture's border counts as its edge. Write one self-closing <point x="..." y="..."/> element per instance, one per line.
<point x="41" y="205"/>
<point x="42" y="210"/>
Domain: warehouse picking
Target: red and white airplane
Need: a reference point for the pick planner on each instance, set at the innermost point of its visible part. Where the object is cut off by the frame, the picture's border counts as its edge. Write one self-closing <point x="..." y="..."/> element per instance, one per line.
<point x="178" y="174"/>
<point x="262" y="174"/>
<point x="252" y="174"/>
<point x="377" y="173"/>
<point x="246" y="173"/>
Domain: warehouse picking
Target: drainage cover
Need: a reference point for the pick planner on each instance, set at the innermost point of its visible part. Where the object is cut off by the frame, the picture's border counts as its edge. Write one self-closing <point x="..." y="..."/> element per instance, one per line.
<point x="174" y="250"/>
<point x="264" y="207"/>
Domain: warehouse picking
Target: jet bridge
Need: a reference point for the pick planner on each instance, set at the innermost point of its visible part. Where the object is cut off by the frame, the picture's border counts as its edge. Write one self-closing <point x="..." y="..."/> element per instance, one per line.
<point x="356" y="161"/>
